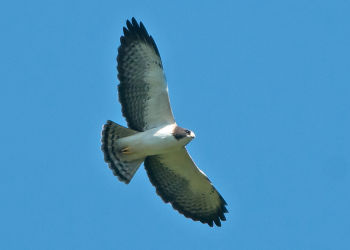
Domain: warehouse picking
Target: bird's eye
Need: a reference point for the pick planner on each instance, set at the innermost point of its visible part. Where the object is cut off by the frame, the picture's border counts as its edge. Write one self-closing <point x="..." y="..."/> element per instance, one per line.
<point x="187" y="132"/>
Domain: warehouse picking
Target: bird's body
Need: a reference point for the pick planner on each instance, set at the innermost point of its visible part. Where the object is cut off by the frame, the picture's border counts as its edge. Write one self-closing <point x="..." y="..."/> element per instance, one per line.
<point x="154" y="141"/>
<point x="153" y="137"/>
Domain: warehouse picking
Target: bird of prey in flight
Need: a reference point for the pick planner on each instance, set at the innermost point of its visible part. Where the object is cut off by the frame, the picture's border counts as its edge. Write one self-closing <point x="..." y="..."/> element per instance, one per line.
<point x="153" y="136"/>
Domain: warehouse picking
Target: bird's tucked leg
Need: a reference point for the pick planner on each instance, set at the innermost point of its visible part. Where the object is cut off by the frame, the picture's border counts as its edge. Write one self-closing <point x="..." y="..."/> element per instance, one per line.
<point x="125" y="150"/>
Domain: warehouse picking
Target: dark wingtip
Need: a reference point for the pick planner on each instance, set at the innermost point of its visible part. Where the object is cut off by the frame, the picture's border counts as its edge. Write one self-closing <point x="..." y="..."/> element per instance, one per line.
<point x="215" y="217"/>
<point x="134" y="22"/>
<point x="136" y="31"/>
<point x="217" y="221"/>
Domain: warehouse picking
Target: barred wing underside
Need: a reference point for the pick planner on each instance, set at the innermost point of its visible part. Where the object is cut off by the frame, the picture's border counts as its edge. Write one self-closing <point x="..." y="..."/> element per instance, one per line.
<point x="143" y="91"/>
<point x="178" y="181"/>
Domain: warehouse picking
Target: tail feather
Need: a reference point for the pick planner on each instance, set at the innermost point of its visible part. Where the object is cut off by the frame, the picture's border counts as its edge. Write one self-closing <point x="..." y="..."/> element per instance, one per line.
<point x="124" y="170"/>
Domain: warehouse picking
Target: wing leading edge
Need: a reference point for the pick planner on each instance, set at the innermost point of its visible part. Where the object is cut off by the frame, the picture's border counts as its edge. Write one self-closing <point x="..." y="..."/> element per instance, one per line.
<point x="178" y="181"/>
<point x="143" y="91"/>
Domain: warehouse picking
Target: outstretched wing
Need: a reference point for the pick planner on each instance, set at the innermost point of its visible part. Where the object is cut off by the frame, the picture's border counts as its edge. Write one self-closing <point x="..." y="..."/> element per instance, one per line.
<point x="143" y="92"/>
<point x="178" y="181"/>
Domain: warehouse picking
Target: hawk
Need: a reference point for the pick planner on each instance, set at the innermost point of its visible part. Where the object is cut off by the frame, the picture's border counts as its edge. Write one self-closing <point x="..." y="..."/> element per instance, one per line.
<point x="152" y="136"/>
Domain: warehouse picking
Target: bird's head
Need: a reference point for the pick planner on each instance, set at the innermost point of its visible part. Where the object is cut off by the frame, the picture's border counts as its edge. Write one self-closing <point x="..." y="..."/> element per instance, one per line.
<point x="182" y="134"/>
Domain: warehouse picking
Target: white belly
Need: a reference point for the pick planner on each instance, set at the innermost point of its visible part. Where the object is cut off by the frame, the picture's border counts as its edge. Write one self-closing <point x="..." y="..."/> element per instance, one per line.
<point x="151" y="142"/>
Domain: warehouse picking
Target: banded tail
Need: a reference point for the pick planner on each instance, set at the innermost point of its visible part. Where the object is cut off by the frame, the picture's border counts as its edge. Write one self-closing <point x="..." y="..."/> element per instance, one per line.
<point x="124" y="170"/>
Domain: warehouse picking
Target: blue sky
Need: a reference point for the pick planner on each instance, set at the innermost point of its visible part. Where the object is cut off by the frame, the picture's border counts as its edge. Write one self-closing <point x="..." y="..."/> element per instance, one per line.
<point x="265" y="85"/>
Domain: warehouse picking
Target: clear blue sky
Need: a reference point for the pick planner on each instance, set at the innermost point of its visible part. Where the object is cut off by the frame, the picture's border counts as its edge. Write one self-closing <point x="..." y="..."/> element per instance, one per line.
<point x="265" y="85"/>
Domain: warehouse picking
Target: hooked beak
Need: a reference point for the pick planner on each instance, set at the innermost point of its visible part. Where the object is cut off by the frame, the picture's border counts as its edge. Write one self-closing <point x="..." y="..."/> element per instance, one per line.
<point x="192" y="135"/>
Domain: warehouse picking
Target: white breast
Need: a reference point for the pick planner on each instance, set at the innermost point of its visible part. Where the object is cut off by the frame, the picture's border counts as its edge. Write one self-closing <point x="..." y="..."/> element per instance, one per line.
<point x="151" y="142"/>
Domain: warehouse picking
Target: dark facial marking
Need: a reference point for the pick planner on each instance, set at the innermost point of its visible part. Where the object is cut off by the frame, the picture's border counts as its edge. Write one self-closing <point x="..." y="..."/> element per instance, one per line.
<point x="180" y="133"/>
